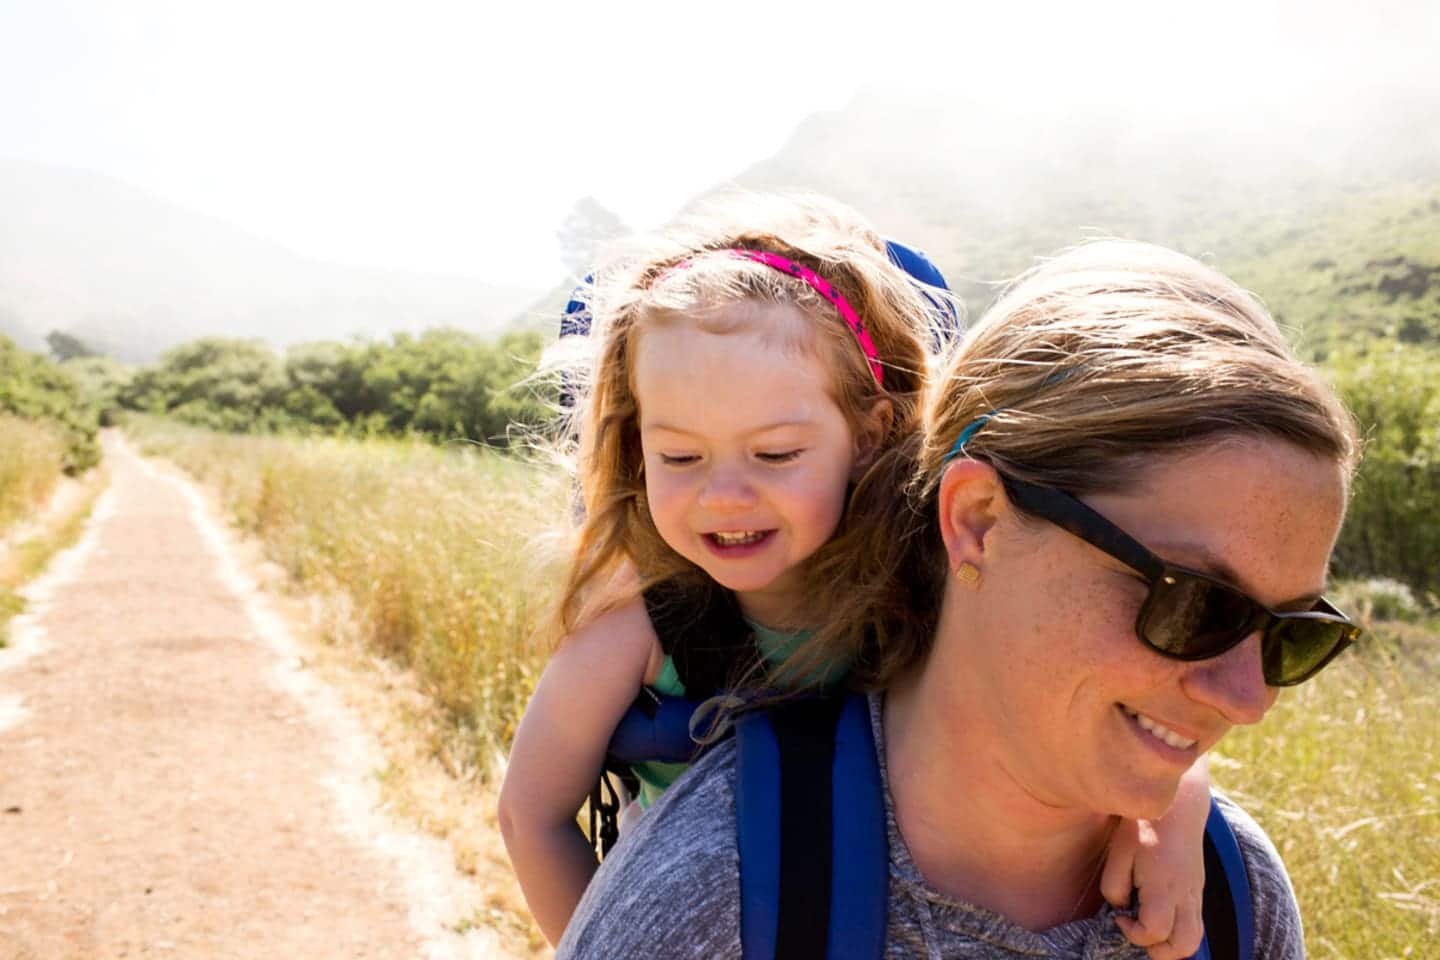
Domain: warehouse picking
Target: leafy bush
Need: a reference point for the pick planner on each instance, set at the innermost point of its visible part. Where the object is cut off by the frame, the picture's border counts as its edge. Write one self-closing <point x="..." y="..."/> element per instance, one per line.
<point x="1393" y="528"/>
<point x="228" y="385"/>
<point x="101" y="380"/>
<point x="443" y="384"/>
<point x="35" y="388"/>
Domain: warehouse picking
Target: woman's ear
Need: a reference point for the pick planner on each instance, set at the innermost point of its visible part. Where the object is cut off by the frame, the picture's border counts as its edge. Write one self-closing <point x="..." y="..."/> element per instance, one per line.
<point x="970" y="492"/>
<point x="870" y="436"/>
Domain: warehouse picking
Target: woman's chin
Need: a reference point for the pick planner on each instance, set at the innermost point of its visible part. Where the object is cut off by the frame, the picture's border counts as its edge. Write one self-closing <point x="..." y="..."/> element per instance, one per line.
<point x="1143" y="798"/>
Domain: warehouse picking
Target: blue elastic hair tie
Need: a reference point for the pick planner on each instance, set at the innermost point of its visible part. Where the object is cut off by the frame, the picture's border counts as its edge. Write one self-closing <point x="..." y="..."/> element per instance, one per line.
<point x="971" y="428"/>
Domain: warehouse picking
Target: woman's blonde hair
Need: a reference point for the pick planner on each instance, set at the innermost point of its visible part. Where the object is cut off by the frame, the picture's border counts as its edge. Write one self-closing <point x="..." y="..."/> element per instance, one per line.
<point x="1090" y="367"/>
<point x="683" y="276"/>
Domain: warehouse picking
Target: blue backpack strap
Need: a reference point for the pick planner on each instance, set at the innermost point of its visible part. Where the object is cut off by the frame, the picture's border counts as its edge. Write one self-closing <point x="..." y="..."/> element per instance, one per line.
<point x="1228" y="908"/>
<point x="810" y="827"/>
<point x="656" y="729"/>
<point x="944" y="319"/>
<point x="757" y="833"/>
<point x="575" y="322"/>
<point x="860" y="883"/>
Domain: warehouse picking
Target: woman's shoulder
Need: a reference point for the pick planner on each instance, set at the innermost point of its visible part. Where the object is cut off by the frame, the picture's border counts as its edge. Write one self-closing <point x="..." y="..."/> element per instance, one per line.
<point x="1278" y="931"/>
<point x="671" y="887"/>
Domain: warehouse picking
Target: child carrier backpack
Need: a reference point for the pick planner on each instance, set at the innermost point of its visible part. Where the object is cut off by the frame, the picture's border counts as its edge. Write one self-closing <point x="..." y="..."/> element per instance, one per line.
<point x="811" y="831"/>
<point x="701" y="629"/>
<point x="814" y="858"/>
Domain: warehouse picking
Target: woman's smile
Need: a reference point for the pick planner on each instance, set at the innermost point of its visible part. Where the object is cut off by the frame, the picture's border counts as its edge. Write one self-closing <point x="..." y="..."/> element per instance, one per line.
<point x="1155" y="733"/>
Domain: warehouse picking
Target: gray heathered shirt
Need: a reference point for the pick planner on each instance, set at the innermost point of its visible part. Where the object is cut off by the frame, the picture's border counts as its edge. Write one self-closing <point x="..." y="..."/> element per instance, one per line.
<point x="671" y="889"/>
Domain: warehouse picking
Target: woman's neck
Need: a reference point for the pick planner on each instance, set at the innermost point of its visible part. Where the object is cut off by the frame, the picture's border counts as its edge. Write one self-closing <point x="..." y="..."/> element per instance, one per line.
<point x="975" y="833"/>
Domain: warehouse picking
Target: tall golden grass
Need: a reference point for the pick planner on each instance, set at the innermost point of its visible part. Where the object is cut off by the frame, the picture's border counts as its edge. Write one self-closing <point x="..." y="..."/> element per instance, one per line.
<point x="1344" y="774"/>
<point x="30" y="467"/>
<point x="33" y="526"/>
<point x="433" y="548"/>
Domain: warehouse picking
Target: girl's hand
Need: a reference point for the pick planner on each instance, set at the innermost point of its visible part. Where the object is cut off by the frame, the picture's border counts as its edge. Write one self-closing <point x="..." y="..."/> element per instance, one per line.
<point x="1163" y="861"/>
<point x="1168" y="922"/>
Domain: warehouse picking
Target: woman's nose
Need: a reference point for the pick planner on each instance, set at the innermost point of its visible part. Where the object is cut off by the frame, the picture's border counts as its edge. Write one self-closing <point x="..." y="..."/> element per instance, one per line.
<point x="726" y="488"/>
<point x="1233" y="684"/>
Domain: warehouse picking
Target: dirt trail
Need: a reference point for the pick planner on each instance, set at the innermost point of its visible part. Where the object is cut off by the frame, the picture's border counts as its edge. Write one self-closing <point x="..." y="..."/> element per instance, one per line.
<point x="173" y="783"/>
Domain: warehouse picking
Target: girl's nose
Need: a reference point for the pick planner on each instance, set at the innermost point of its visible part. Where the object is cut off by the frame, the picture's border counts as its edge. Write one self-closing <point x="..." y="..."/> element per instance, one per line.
<point x="1233" y="684"/>
<point x="726" y="488"/>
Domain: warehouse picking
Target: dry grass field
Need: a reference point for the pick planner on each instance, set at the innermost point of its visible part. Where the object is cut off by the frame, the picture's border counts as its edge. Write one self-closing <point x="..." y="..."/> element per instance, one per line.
<point x="41" y="510"/>
<point x="1344" y="774"/>
<point x="30" y="468"/>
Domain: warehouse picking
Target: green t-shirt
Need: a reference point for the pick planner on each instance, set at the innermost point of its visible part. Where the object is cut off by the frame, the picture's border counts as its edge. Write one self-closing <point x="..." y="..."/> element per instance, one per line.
<point x="774" y="645"/>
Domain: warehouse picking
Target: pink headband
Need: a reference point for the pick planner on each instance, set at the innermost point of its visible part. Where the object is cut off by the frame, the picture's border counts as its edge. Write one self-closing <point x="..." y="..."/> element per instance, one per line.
<point x="822" y="286"/>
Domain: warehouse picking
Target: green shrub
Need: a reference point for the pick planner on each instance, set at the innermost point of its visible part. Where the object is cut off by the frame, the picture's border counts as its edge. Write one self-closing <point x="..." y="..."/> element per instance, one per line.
<point x="223" y="384"/>
<point x="101" y="381"/>
<point x="442" y="384"/>
<point x="1393" y="527"/>
<point x="35" y="388"/>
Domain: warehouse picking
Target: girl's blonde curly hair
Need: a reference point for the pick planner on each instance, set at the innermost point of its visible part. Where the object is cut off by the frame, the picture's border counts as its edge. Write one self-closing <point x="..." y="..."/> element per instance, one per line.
<point x="679" y="277"/>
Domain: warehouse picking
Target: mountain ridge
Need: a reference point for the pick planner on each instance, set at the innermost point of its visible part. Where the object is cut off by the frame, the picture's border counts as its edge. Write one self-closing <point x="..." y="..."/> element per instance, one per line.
<point x="1263" y="195"/>
<point x="132" y="274"/>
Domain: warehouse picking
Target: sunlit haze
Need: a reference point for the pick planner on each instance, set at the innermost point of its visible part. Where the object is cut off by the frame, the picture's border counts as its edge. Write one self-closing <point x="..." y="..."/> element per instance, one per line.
<point x="454" y="137"/>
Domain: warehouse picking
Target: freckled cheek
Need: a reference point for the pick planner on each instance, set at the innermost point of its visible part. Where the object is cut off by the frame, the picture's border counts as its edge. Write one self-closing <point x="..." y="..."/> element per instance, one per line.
<point x="1087" y="628"/>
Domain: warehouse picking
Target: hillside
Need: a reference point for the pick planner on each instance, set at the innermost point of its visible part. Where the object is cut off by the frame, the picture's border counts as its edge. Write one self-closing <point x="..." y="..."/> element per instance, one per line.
<point x="1334" y="217"/>
<point x="132" y="275"/>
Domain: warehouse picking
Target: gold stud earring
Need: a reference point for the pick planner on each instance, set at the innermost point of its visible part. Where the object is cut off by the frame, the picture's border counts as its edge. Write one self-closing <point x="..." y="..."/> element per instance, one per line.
<point x="968" y="573"/>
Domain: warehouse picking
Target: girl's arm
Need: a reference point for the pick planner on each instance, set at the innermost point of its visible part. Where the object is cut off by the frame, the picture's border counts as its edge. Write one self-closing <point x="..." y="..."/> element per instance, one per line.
<point x="558" y="751"/>
<point x="1165" y="861"/>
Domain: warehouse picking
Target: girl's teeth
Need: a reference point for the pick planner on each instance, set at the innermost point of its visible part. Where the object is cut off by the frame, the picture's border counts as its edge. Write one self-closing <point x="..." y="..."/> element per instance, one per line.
<point x="1160" y="731"/>
<point x="737" y="539"/>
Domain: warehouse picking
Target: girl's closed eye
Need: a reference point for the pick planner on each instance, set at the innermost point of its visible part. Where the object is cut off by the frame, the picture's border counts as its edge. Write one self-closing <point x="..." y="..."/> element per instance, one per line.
<point x="779" y="456"/>
<point x="679" y="459"/>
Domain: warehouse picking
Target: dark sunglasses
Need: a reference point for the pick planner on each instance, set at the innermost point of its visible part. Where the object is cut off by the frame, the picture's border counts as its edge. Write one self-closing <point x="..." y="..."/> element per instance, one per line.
<point x="1191" y="616"/>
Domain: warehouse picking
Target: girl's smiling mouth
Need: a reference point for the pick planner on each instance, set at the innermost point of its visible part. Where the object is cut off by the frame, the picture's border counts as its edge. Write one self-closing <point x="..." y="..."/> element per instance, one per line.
<point x="736" y="542"/>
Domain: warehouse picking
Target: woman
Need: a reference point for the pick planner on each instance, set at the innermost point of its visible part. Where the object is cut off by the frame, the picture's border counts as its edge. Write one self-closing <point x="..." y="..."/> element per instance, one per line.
<point x="1122" y="518"/>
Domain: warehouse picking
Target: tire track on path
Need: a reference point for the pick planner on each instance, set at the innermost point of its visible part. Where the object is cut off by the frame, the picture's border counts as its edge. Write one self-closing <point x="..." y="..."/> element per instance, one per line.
<point x="173" y="783"/>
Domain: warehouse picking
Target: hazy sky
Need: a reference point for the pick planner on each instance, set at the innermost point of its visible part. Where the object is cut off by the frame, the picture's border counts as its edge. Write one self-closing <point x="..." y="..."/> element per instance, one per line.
<point x="454" y="136"/>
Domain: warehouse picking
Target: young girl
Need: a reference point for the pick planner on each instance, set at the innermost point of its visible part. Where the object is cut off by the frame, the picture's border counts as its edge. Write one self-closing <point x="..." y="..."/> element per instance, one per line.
<point x="745" y="380"/>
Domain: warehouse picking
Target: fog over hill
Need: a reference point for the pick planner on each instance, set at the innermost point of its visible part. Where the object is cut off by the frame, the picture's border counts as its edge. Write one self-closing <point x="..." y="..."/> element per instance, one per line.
<point x="985" y="191"/>
<point x="131" y="275"/>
